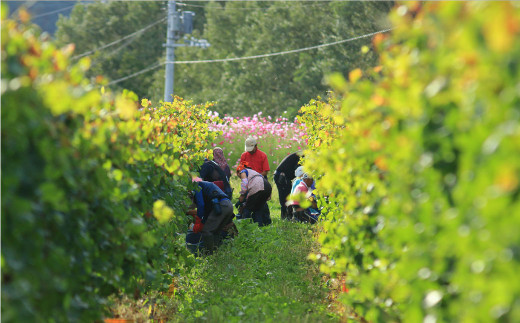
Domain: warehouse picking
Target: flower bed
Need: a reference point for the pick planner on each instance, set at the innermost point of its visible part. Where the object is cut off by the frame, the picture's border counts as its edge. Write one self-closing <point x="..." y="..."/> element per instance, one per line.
<point x="277" y="137"/>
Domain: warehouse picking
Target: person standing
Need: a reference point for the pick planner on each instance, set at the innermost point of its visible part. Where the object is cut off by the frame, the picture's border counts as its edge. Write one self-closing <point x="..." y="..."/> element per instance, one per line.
<point x="254" y="157"/>
<point x="283" y="176"/>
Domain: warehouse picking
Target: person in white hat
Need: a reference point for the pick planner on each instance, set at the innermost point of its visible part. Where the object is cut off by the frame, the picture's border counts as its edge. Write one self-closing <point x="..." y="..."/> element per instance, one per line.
<point x="254" y="157"/>
<point x="311" y="213"/>
<point x="297" y="179"/>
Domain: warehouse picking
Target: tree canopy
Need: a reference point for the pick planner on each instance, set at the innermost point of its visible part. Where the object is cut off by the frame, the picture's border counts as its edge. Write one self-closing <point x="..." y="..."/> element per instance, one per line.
<point x="94" y="25"/>
<point x="271" y="84"/>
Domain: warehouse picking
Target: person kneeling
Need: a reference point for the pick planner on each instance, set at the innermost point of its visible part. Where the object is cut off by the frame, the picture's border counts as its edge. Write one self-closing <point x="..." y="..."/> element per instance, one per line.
<point x="310" y="214"/>
<point x="212" y="218"/>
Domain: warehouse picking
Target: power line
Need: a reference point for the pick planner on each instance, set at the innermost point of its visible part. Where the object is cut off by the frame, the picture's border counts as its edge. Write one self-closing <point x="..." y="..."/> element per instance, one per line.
<point x="264" y="0"/>
<point x="120" y="39"/>
<point x="34" y="1"/>
<point x="196" y="0"/>
<point x="279" y="53"/>
<point x="248" y="8"/>
<point x="26" y="3"/>
<point x="136" y="73"/>
<point x="51" y="12"/>
<point x="248" y="57"/>
<point x="141" y="30"/>
<point x="99" y="59"/>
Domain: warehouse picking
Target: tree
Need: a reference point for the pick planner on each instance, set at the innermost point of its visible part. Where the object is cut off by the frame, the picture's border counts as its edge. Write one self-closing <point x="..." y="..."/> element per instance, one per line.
<point x="44" y="14"/>
<point x="278" y="83"/>
<point x="234" y="29"/>
<point x="93" y="25"/>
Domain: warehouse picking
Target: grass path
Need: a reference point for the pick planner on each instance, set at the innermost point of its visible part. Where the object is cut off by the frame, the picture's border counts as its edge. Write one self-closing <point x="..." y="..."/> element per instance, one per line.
<point x="261" y="276"/>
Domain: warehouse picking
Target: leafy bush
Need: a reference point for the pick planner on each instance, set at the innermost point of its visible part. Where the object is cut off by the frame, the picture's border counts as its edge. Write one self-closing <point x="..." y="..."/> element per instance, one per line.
<point x="82" y="171"/>
<point x="422" y="174"/>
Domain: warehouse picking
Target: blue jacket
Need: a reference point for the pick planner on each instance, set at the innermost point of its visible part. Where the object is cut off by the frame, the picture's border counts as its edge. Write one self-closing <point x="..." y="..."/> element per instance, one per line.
<point x="203" y="198"/>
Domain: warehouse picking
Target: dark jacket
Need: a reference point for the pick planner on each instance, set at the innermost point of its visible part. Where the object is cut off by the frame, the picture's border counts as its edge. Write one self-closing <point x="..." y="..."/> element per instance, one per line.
<point x="284" y="173"/>
<point x="203" y="198"/>
<point x="211" y="172"/>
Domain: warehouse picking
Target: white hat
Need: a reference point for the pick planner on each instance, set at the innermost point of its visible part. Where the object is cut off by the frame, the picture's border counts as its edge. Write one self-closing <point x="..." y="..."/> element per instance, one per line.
<point x="299" y="171"/>
<point x="250" y="144"/>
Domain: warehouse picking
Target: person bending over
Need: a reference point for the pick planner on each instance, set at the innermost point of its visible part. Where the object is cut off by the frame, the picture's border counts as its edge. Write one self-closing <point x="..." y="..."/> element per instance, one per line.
<point x="283" y="175"/>
<point x="213" y="214"/>
<point x="255" y="191"/>
<point x="311" y="213"/>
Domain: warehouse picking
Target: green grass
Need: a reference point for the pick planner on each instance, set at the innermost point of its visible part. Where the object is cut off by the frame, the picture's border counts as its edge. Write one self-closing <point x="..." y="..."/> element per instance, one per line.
<point x="263" y="275"/>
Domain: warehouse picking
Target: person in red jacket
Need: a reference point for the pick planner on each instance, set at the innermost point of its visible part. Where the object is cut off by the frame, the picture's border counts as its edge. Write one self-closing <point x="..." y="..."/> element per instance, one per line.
<point x="254" y="157"/>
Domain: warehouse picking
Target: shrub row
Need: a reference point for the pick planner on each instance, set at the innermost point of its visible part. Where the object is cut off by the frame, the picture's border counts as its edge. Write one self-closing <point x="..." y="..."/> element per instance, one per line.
<point x="422" y="172"/>
<point x="83" y="171"/>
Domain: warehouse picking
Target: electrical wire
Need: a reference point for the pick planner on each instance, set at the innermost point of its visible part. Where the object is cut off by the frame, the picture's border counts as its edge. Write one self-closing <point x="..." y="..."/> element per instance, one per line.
<point x="183" y="3"/>
<point x="249" y="8"/>
<point x="278" y="53"/>
<point x="120" y="39"/>
<point x="136" y="73"/>
<point x="26" y="5"/>
<point x="248" y="57"/>
<point x="108" y="55"/>
<point x="34" y="1"/>
<point x="51" y="12"/>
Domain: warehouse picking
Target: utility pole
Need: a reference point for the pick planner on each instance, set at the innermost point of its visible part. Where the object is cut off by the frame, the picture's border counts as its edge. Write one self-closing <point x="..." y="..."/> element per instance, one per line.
<point x="179" y="24"/>
<point x="170" y="54"/>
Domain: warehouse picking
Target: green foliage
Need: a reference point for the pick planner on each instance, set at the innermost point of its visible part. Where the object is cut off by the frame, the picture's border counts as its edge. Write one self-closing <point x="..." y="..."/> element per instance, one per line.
<point x="262" y="275"/>
<point x="281" y="83"/>
<point x="81" y="171"/>
<point x="322" y="121"/>
<point x="234" y="29"/>
<point x="423" y="180"/>
<point x="95" y="24"/>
